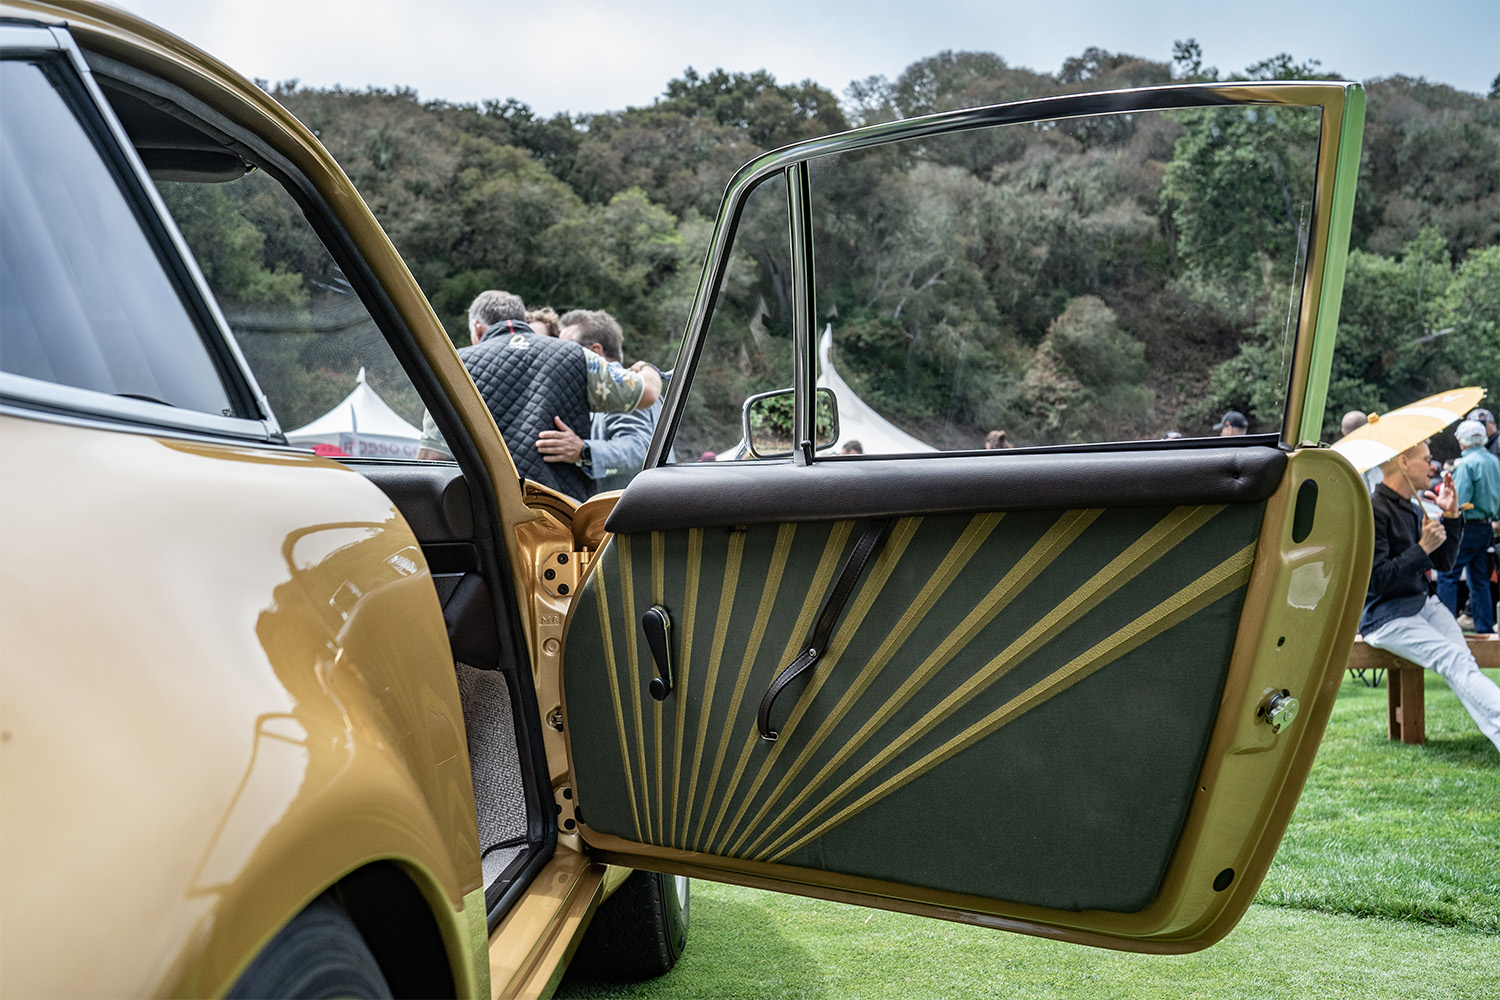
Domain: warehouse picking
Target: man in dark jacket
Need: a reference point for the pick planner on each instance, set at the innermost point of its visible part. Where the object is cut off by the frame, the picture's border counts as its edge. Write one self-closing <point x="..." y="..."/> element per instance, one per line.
<point x="1399" y="615"/>
<point x="528" y="381"/>
<point x="616" y="446"/>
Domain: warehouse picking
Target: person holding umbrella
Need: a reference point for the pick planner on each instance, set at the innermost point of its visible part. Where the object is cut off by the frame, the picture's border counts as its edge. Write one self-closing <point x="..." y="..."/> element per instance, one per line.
<point x="1412" y="536"/>
<point x="1399" y="616"/>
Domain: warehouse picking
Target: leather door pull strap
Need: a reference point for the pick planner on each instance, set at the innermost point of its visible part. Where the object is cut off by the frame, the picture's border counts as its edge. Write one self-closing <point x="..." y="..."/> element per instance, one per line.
<point x="817" y="643"/>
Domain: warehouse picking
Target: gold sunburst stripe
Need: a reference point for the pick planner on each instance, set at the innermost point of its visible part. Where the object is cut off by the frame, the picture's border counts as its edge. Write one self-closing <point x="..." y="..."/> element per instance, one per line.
<point x="833" y="548"/>
<point x="614" y="694"/>
<point x="633" y="688"/>
<point x="658" y="598"/>
<point x="711" y="678"/>
<point x="869" y="590"/>
<point x="970" y="542"/>
<point x="684" y="667"/>
<point x="1222" y="580"/>
<point x="1161" y="538"/>
<point x="1054" y="541"/>
<point x="779" y="556"/>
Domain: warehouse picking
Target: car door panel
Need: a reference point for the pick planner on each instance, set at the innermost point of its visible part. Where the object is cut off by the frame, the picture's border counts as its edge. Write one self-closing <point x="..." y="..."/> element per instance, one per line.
<point x="1061" y="697"/>
<point x="1015" y="713"/>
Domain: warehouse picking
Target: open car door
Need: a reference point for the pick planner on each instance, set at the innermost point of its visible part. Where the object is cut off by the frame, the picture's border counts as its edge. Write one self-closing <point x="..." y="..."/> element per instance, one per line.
<point x="1071" y="688"/>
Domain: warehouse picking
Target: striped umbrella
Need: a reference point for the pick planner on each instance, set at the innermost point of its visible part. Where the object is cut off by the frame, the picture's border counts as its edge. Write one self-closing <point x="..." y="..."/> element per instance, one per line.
<point x="1388" y="435"/>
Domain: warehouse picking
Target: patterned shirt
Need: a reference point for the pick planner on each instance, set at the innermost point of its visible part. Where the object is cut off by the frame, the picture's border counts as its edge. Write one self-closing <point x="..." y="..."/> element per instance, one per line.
<point x="612" y="387"/>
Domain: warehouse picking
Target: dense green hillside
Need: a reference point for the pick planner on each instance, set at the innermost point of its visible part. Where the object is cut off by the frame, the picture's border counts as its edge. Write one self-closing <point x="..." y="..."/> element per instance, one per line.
<point x="614" y="210"/>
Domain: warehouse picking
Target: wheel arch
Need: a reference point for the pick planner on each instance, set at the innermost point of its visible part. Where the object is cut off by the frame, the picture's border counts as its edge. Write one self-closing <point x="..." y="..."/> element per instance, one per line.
<point x="395" y="909"/>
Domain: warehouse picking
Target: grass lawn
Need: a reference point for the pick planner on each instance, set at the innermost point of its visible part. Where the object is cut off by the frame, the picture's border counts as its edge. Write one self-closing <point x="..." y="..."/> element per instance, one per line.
<point x="1395" y="830"/>
<point x="1387" y="885"/>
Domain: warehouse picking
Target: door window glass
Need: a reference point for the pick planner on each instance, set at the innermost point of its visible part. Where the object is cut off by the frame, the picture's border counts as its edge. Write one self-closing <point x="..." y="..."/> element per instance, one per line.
<point x="330" y="376"/>
<point x="1069" y="281"/>
<point x="85" y="299"/>
<point x="748" y="347"/>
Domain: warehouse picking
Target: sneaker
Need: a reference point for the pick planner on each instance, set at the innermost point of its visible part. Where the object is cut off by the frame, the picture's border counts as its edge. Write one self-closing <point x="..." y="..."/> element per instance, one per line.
<point x="1466" y="622"/>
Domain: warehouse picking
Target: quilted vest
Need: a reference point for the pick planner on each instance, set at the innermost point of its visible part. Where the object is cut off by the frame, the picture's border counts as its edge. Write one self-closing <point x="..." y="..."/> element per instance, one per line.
<point x="526" y="380"/>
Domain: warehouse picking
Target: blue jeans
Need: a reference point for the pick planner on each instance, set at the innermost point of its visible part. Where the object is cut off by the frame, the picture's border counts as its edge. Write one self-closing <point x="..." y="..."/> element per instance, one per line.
<point x="1473" y="556"/>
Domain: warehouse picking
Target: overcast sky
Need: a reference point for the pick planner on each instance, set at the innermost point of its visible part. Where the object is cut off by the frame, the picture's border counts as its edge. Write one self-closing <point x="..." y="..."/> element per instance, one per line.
<point x="592" y="56"/>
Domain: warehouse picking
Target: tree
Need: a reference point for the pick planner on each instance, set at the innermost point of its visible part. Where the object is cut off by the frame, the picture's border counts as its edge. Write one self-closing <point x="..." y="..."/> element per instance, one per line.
<point x="1097" y="69"/>
<point x="770" y="114"/>
<point x="1429" y="160"/>
<point x="230" y="248"/>
<point x="1085" y="382"/>
<point x="1239" y="189"/>
<point x="1187" y="60"/>
<point x="1391" y="348"/>
<point x="1468" y="313"/>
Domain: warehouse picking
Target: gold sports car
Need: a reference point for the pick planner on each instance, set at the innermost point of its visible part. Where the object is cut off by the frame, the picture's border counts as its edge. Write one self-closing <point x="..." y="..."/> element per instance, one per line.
<point x="286" y="711"/>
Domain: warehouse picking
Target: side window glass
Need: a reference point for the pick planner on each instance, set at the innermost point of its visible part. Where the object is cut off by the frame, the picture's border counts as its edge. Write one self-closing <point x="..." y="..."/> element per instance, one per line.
<point x="333" y="382"/>
<point x="748" y="347"/>
<point x="85" y="299"/>
<point x="1063" y="282"/>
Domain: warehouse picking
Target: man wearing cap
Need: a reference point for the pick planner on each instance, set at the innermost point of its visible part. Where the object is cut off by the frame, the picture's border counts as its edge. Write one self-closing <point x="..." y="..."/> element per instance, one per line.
<point x="1234" y="423"/>
<point x="1492" y="433"/>
<point x="1399" y="616"/>
<point x="1476" y="477"/>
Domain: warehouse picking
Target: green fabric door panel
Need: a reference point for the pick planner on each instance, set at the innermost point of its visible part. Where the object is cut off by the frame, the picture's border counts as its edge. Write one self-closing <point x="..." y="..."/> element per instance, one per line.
<point x="986" y="669"/>
<point x="709" y="575"/>
<point x="1074" y="805"/>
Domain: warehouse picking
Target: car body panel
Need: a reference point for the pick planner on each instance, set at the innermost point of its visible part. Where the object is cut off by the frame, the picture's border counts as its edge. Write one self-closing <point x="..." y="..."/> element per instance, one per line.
<point x="289" y="680"/>
<point x="379" y="772"/>
<point x="549" y="921"/>
<point x="1130" y="626"/>
<point x="1343" y="134"/>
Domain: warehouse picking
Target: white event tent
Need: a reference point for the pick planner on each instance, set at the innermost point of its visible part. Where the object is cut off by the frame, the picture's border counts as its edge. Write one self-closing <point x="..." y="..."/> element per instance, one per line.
<point x="362" y="426"/>
<point x="857" y="420"/>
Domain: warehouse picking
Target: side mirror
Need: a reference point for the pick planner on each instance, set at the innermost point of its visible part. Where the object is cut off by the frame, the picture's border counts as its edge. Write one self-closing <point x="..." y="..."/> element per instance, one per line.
<point x="767" y="418"/>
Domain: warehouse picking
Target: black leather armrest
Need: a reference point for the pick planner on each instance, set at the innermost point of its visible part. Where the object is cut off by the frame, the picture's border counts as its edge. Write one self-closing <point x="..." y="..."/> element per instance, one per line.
<point x="728" y="493"/>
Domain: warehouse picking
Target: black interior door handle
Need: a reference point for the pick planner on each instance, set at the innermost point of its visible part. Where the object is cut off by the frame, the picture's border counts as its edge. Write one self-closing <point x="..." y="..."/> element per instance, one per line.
<point x="817" y="643"/>
<point x="657" y="625"/>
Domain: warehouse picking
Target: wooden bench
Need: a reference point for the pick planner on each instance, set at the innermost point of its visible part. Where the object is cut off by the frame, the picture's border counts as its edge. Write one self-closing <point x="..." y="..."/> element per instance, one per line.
<point x="1405" y="705"/>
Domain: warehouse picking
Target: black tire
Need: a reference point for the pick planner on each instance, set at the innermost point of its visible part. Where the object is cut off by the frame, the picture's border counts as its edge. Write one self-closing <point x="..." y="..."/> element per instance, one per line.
<point x="639" y="932"/>
<point x="318" y="954"/>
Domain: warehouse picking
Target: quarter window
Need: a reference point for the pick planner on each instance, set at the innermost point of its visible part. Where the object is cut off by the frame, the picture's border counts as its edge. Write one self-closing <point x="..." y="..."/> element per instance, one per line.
<point x="748" y="346"/>
<point x="85" y="298"/>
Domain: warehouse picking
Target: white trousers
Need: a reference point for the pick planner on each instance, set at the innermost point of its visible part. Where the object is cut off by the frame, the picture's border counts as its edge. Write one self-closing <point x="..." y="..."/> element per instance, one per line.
<point x="1433" y="639"/>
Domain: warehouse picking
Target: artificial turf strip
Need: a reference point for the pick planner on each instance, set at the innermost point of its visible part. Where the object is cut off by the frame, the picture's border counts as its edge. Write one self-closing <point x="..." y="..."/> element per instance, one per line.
<point x="1386" y="885"/>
